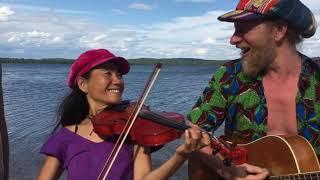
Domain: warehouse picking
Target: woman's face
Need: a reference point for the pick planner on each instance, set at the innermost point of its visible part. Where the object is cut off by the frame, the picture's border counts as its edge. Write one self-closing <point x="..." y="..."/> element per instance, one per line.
<point x="104" y="86"/>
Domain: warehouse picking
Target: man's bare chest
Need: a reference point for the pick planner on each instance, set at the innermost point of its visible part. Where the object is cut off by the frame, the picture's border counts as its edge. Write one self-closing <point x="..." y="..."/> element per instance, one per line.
<point x="281" y="103"/>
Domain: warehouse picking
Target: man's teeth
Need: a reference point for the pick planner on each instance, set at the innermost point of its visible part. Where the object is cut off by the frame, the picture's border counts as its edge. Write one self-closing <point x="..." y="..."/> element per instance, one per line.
<point x="244" y="50"/>
<point x="114" y="90"/>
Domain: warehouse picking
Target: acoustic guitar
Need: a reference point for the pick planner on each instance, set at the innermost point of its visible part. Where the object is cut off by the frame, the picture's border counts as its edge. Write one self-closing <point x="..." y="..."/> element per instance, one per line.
<point x="286" y="157"/>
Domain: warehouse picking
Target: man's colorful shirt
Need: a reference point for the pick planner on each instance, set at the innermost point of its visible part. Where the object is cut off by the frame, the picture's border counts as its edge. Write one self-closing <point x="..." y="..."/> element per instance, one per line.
<point x="239" y="101"/>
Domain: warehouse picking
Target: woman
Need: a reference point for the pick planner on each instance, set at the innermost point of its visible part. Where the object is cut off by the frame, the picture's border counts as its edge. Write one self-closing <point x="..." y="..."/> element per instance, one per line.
<point x="96" y="82"/>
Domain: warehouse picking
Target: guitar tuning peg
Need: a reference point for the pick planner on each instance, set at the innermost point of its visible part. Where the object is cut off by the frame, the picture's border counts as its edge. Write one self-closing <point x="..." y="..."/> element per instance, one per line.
<point x="227" y="162"/>
<point x="215" y="150"/>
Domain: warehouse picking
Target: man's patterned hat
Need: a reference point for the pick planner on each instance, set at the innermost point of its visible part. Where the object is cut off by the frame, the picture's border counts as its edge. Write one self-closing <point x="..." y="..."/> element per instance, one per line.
<point x="293" y="12"/>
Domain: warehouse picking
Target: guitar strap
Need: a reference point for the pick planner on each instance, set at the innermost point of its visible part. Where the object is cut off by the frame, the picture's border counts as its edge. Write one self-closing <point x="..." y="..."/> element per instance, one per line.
<point x="4" y="142"/>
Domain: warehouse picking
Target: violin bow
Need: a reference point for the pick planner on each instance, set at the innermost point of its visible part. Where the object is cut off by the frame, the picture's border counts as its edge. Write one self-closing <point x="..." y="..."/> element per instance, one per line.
<point x="133" y="116"/>
<point x="4" y="141"/>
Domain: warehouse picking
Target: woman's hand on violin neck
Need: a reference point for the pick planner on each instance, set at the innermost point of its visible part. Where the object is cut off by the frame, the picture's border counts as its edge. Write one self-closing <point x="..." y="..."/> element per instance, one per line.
<point x="194" y="139"/>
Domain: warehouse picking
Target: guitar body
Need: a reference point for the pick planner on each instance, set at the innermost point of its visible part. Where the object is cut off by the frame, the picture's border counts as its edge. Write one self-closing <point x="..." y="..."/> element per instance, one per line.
<point x="281" y="155"/>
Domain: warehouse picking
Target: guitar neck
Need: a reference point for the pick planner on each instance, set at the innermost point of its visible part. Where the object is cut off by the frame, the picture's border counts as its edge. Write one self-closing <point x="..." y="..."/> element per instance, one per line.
<point x="302" y="176"/>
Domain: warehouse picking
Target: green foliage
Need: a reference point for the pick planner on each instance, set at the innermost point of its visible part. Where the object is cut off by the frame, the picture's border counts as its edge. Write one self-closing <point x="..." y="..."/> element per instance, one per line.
<point x="176" y="61"/>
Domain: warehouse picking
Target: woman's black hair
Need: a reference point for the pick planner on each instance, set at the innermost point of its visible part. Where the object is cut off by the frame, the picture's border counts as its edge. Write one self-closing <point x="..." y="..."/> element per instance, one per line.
<point x="74" y="108"/>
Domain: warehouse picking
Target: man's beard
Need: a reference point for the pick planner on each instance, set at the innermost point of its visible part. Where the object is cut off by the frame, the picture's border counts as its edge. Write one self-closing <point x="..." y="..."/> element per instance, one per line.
<point x="259" y="60"/>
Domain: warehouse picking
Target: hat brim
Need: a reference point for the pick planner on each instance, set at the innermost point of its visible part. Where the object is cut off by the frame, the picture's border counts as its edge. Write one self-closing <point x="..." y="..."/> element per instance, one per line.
<point x="121" y="63"/>
<point x="240" y="15"/>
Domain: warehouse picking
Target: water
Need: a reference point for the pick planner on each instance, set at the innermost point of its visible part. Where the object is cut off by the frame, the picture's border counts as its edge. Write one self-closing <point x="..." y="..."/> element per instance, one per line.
<point x="32" y="93"/>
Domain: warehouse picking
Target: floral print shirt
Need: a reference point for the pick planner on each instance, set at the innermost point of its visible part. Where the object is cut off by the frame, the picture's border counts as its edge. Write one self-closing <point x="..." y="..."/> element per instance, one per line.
<point x="239" y="101"/>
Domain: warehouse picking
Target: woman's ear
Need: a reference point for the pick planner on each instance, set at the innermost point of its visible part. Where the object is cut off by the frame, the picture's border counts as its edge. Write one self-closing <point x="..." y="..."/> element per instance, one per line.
<point x="82" y="84"/>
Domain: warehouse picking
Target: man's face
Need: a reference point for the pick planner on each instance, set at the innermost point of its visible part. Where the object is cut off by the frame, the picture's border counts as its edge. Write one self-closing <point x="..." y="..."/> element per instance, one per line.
<point x="255" y="39"/>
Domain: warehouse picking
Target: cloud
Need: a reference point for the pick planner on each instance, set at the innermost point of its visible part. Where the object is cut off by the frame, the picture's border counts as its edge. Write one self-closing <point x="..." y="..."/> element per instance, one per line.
<point x="40" y="34"/>
<point x="51" y="34"/>
<point x="197" y="36"/>
<point x="312" y="4"/>
<point x="5" y="12"/>
<point x="141" y="6"/>
<point x="118" y="11"/>
<point x="201" y="51"/>
<point x="33" y="8"/>
<point x="33" y="38"/>
<point x="197" y="1"/>
<point x="209" y="40"/>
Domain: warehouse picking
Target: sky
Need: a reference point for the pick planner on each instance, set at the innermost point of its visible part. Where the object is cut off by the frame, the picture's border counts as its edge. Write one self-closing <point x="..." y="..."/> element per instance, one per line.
<point x="129" y="28"/>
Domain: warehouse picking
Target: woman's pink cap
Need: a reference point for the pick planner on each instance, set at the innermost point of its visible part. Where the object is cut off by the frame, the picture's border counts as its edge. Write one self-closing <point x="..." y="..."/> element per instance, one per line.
<point x="92" y="58"/>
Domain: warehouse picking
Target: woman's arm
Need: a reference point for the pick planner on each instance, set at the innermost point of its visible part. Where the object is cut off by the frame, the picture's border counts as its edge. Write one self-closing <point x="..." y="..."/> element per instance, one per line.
<point x="143" y="166"/>
<point x="142" y="162"/>
<point x="167" y="169"/>
<point x="194" y="140"/>
<point x="51" y="169"/>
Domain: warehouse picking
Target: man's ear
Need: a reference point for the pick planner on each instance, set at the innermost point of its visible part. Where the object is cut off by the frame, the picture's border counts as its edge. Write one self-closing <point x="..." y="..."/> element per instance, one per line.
<point x="82" y="84"/>
<point x="280" y="30"/>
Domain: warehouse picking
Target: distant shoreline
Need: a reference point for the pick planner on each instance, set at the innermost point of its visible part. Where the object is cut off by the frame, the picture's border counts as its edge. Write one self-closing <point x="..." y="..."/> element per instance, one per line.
<point x="140" y="61"/>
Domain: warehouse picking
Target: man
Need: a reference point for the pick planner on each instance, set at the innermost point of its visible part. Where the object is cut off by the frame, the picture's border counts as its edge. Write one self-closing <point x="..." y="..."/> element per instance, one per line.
<point x="271" y="90"/>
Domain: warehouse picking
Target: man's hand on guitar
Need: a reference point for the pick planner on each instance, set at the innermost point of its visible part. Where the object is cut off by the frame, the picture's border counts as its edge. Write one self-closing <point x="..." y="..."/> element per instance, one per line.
<point x="204" y="166"/>
<point x="242" y="172"/>
<point x="252" y="172"/>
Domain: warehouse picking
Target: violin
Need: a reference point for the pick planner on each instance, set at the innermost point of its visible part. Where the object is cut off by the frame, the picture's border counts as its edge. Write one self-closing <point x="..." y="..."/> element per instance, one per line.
<point x="155" y="129"/>
<point x="147" y="130"/>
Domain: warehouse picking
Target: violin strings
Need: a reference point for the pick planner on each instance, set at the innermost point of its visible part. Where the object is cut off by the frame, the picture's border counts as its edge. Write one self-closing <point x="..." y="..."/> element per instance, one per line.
<point x="158" y="118"/>
<point x="179" y="125"/>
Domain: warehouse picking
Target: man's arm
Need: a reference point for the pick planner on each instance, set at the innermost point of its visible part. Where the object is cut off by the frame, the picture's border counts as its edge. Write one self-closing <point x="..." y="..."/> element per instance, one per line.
<point x="209" y="112"/>
<point x="210" y="105"/>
